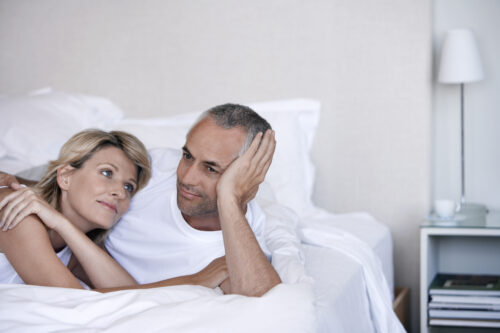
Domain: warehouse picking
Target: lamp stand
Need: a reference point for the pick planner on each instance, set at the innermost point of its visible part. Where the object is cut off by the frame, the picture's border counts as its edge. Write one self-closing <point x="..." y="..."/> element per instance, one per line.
<point x="462" y="143"/>
<point x="468" y="209"/>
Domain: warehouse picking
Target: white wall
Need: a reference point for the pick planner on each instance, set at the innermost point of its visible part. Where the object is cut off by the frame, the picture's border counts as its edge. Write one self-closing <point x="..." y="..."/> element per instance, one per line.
<point x="482" y="113"/>
<point x="368" y="62"/>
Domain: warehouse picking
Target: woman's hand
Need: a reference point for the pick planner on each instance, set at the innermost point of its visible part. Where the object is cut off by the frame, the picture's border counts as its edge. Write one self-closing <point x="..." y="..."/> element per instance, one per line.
<point x="212" y="275"/>
<point x="23" y="202"/>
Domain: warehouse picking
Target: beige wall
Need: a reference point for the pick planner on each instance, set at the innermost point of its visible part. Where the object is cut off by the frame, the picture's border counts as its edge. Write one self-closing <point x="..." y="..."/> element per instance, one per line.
<point x="368" y="62"/>
<point x="481" y="100"/>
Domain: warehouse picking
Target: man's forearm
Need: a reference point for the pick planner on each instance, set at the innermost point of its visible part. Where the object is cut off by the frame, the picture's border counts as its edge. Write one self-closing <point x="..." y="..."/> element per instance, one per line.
<point x="26" y="182"/>
<point x="250" y="272"/>
<point x="6" y="179"/>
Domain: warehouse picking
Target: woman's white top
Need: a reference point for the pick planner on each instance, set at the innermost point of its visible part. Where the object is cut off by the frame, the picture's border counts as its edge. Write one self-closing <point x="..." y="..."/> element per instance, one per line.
<point x="9" y="275"/>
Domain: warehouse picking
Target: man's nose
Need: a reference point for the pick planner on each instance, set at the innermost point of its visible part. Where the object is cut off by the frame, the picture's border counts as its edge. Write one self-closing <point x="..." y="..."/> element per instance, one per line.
<point x="190" y="175"/>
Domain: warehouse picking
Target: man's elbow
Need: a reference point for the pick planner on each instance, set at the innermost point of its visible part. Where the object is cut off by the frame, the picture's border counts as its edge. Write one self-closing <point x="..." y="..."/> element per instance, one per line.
<point x="260" y="288"/>
<point x="271" y="283"/>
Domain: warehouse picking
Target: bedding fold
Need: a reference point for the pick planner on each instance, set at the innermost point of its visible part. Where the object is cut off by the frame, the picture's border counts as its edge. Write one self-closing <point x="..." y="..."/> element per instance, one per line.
<point x="316" y="231"/>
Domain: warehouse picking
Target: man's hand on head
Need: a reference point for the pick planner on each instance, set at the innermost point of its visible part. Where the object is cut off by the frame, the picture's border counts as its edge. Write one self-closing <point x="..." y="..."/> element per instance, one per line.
<point x="250" y="272"/>
<point x="241" y="180"/>
<point x="9" y="180"/>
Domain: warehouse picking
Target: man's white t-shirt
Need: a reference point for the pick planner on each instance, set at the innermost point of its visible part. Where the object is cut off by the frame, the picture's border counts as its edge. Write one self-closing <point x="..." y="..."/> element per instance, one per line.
<point x="153" y="242"/>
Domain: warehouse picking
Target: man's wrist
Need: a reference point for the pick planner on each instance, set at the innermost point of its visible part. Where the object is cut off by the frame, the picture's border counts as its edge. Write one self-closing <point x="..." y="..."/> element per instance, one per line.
<point x="230" y="201"/>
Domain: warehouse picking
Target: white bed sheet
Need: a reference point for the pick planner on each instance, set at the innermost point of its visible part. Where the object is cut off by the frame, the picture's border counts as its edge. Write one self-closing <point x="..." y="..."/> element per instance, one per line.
<point x="375" y="234"/>
<point x="341" y="298"/>
<point x="341" y="305"/>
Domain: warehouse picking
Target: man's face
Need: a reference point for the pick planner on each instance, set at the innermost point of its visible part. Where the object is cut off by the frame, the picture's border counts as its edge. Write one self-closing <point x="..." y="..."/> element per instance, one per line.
<point x="208" y="151"/>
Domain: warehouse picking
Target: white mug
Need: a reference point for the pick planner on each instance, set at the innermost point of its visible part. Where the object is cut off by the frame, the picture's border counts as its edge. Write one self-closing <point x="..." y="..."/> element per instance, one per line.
<point x="445" y="208"/>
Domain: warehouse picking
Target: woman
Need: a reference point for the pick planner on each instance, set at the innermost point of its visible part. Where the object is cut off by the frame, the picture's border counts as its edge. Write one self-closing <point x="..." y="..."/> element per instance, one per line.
<point x="83" y="193"/>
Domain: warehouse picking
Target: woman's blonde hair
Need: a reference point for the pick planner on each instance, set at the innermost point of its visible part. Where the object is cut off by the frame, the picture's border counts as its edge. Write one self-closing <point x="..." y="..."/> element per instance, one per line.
<point x="79" y="148"/>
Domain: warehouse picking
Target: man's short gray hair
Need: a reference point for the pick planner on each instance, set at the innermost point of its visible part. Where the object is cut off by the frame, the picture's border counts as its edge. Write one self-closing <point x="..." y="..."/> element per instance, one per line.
<point x="233" y="115"/>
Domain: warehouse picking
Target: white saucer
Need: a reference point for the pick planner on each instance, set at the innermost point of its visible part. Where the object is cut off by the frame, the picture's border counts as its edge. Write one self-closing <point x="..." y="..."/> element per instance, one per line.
<point x="445" y="220"/>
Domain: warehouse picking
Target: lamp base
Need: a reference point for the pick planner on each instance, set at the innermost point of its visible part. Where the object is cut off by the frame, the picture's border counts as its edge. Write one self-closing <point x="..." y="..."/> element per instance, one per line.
<point x="474" y="212"/>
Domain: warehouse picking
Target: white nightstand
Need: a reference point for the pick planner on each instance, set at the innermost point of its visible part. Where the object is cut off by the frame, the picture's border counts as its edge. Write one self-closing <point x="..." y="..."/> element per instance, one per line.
<point x="465" y="247"/>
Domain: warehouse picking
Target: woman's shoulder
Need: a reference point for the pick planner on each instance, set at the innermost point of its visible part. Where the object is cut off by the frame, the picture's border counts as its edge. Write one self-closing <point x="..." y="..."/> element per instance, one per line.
<point x="30" y="232"/>
<point x="30" y="224"/>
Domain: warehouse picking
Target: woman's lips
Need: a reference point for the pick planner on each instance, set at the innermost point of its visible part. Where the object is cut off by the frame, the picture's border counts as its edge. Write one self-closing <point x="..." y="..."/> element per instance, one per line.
<point x="108" y="206"/>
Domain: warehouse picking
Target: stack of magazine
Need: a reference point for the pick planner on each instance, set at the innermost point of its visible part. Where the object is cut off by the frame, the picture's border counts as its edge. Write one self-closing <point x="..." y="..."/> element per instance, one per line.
<point x="465" y="300"/>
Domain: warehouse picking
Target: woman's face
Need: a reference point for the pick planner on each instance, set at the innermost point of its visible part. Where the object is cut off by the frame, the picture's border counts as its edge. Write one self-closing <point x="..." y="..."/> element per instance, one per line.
<point x="99" y="193"/>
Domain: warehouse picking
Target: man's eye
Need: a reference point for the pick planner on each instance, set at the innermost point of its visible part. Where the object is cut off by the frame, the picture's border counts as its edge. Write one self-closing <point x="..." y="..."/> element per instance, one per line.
<point x="187" y="156"/>
<point x="211" y="170"/>
<point x="129" y="188"/>
<point x="107" y="173"/>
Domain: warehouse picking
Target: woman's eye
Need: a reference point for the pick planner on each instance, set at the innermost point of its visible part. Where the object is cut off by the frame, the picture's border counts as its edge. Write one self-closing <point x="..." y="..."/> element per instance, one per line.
<point x="129" y="188"/>
<point x="107" y="173"/>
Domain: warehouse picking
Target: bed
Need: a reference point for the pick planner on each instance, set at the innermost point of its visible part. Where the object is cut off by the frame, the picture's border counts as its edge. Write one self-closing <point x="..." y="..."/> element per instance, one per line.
<point x="337" y="269"/>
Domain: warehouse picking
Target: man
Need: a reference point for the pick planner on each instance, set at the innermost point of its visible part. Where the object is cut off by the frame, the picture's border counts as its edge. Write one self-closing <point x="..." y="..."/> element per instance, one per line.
<point x="199" y="208"/>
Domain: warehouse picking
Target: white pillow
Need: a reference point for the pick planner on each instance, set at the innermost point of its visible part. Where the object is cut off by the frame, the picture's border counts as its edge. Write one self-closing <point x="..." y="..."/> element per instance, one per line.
<point x="291" y="175"/>
<point x="34" y="173"/>
<point x="167" y="132"/>
<point x="34" y="126"/>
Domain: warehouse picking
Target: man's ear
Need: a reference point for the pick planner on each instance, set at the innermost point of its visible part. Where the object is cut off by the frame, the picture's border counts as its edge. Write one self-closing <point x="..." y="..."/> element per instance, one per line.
<point x="64" y="176"/>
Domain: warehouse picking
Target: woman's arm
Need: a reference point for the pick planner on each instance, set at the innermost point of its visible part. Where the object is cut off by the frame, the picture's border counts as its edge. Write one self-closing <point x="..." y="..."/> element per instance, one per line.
<point x="214" y="275"/>
<point x="30" y="252"/>
<point x="102" y="270"/>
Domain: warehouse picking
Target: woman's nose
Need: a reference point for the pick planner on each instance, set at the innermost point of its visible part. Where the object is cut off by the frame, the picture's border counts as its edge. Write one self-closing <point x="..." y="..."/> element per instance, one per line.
<point x="118" y="190"/>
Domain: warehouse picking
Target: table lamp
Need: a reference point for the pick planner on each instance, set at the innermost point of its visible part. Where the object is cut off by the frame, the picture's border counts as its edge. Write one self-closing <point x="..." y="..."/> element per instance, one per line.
<point x="460" y="63"/>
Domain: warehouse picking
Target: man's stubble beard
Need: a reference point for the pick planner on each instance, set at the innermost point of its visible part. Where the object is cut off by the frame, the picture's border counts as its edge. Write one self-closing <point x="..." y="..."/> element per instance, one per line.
<point x="207" y="207"/>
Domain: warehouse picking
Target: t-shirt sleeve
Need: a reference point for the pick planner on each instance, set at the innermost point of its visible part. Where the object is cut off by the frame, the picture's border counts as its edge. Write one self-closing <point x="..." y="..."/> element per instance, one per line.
<point x="128" y="236"/>
<point x="257" y="221"/>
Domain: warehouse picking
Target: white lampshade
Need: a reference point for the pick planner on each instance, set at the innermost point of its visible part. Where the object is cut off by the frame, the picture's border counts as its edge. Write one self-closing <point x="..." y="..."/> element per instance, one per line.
<point x="460" y="60"/>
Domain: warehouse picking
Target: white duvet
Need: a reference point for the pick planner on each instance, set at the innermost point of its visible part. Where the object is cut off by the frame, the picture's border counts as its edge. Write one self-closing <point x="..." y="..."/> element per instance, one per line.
<point x="169" y="309"/>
